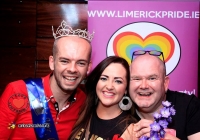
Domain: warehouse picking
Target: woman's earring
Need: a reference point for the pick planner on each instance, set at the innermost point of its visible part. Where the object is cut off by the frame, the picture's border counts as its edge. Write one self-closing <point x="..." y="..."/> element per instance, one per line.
<point x="125" y="103"/>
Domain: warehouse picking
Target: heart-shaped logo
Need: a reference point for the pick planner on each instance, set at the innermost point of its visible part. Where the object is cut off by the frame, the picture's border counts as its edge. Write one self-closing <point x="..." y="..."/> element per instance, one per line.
<point x="126" y="43"/>
<point x="145" y="36"/>
<point x="18" y="103"/>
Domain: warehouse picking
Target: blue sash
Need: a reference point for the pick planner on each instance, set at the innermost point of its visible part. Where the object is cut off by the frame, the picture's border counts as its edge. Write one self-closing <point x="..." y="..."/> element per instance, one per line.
<point x="42" y="119"/>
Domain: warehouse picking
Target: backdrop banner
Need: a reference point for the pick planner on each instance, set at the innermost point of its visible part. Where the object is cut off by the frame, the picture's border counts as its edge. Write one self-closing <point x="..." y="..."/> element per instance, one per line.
<point x="122" y="27"/>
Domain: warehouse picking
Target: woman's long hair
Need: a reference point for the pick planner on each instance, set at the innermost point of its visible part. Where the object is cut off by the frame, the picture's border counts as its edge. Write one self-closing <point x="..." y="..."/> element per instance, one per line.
<point x="90" y="87"/>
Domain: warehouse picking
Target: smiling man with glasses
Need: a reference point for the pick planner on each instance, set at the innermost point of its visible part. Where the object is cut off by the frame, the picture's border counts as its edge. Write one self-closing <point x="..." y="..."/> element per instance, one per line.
<point x="149" y="87"/>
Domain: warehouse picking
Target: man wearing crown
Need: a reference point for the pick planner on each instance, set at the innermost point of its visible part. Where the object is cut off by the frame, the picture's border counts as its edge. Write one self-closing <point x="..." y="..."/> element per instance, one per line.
<point x="47" y="108"/>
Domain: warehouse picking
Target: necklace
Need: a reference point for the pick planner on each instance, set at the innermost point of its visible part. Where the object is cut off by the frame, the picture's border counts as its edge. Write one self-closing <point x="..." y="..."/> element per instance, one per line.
<point x="161" y="121"/>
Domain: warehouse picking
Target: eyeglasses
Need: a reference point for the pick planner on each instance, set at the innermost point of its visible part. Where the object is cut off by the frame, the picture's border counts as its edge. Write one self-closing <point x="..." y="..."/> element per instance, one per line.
<point x="153" y="52"/>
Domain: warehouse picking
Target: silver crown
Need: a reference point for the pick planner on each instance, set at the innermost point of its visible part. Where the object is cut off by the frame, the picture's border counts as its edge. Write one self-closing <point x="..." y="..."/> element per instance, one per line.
<point x="66" y="30"/>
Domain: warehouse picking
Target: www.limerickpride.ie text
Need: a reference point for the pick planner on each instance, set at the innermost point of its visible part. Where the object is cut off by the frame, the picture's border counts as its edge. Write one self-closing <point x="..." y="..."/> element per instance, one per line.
<point x="143" y="14"/>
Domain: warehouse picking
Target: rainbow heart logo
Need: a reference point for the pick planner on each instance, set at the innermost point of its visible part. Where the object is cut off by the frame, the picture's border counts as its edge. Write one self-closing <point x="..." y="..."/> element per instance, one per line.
<point x="127" y="42"/>
<point x="145" y="36"/>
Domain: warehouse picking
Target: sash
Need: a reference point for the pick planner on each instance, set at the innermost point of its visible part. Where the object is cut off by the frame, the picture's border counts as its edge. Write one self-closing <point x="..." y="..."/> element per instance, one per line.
<point x="42" y="119"/>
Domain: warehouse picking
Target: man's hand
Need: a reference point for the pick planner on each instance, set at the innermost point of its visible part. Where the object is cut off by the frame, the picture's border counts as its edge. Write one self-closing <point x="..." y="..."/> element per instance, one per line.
<point x="195" y="136"/>
<point x="142" y="128"/>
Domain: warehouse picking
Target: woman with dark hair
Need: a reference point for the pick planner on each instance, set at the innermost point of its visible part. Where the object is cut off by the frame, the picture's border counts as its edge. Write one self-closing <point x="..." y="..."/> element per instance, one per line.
<point x="105" y="114"/>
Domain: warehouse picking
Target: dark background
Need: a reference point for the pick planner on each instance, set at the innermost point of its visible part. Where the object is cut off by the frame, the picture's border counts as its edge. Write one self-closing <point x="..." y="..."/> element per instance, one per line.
<point x="26" y="38"/>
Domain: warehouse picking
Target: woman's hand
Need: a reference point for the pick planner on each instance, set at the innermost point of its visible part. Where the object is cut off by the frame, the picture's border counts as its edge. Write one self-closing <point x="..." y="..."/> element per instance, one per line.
<point x="142" y="128"/>
<point x="170" y="135"/>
